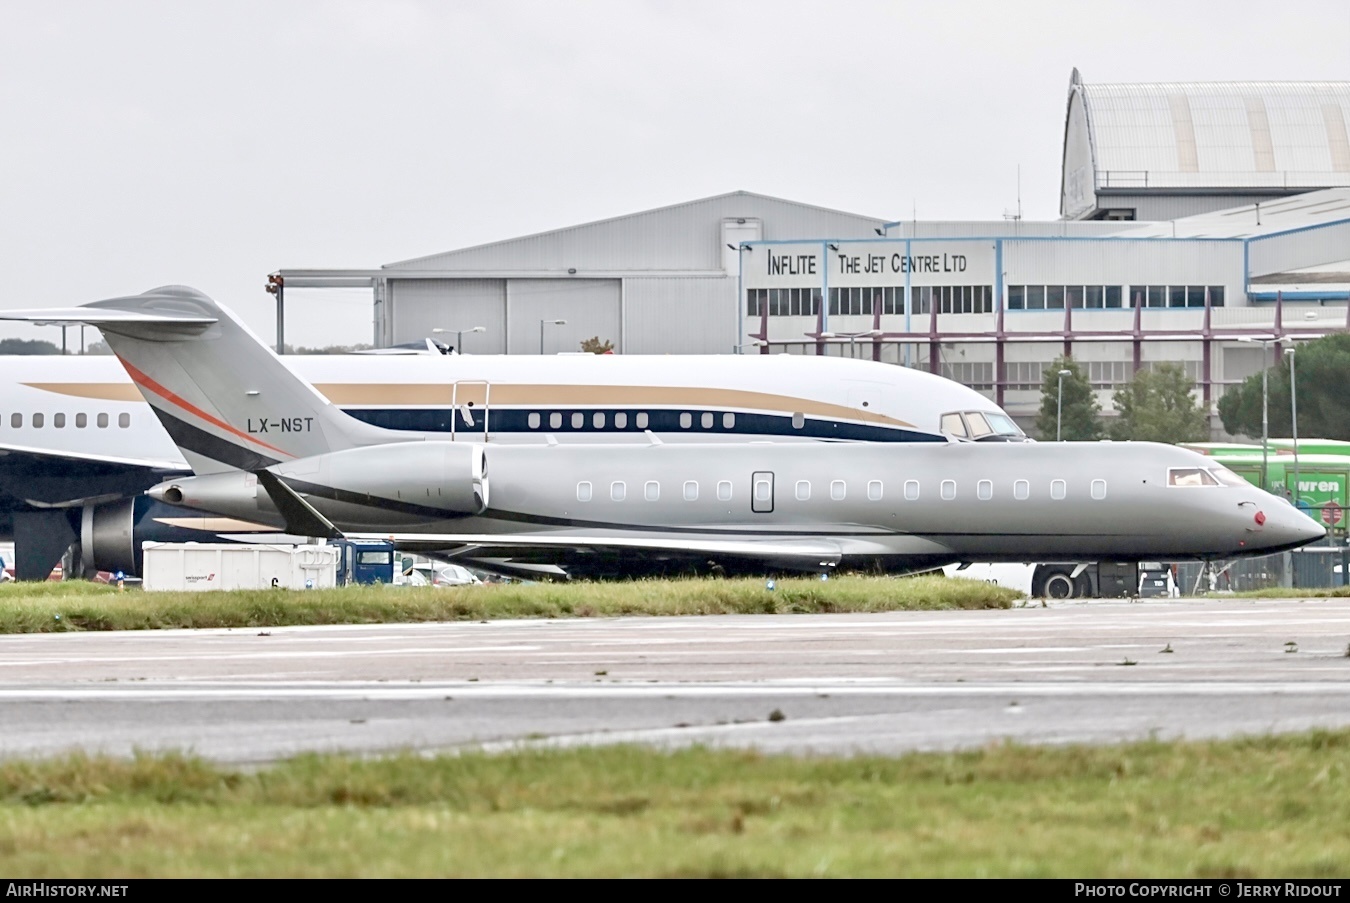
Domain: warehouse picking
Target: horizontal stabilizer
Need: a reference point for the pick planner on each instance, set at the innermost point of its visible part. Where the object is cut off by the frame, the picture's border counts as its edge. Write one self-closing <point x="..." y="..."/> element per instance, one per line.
<point x="104" y="317"/>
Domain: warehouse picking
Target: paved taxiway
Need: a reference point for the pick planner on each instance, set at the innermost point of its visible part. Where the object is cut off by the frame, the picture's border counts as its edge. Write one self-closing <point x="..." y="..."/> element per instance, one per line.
<point x="883" y="683"/>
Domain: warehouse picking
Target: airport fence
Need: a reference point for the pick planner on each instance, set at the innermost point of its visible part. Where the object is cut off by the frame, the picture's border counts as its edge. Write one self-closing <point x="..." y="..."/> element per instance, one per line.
<point x="1312" y="567"/>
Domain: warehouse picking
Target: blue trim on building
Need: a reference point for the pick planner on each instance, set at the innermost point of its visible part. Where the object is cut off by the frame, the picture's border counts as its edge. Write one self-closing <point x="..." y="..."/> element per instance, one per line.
<point x="1265" y="297"/>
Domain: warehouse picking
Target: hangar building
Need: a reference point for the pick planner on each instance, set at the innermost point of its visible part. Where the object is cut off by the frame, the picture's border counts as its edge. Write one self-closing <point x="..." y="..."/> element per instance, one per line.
<point x="1197" y="216"/>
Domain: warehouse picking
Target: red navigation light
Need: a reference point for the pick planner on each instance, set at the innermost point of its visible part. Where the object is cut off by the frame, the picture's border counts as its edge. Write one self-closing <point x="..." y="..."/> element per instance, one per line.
<point x="1260" y="518"/>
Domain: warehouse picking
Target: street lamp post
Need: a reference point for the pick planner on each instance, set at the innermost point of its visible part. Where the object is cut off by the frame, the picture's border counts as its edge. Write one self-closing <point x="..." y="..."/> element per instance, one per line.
<point x="459" y="335"/>
<point x="542" y="324"/>
<point x="1059" y="403"/>
<point x="1265" y="410"/>
<point x="1293" y="404"/>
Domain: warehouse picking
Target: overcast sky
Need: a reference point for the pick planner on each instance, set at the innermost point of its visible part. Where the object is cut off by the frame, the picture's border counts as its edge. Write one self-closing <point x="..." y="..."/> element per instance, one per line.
<point x="210" y="143"/>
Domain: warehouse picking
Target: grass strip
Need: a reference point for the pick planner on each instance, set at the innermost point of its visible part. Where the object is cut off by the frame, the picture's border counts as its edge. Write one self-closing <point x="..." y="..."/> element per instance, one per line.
<point x="1261" y="807"/>
<point x="1284" y="592"/>
<point x="53" y="607"/>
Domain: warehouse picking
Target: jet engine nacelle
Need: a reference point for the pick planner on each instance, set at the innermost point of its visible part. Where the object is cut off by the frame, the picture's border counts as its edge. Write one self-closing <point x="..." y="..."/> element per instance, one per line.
<point x="412" y="481"/>
<point x="111" y="533"/>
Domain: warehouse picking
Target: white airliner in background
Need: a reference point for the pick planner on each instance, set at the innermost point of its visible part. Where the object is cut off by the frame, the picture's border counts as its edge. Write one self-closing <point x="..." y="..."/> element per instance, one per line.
<point x="78" y="443"/>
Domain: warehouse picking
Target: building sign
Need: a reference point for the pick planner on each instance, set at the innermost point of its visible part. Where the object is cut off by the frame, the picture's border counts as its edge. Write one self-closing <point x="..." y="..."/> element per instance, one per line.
<point x="870" y="263"/>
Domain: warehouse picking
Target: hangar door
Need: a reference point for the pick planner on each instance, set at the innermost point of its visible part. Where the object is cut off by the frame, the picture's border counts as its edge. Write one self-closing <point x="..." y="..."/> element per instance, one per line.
<point x="590" y="307"/>
<point x="420" y="305"/>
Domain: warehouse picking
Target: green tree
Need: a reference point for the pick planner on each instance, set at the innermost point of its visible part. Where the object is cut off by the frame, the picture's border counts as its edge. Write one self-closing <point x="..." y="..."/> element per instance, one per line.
<point x="1322" y="370"/>
<point x="1080" y="417"/>
<point x="1157" y="406"/>
<point x="27" y="346"/>
<point x="593" y="345"/>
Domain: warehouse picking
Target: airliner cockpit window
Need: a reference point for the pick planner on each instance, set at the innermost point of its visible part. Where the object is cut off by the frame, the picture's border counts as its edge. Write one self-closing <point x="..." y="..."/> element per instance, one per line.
<point x="1003" y="425"/>
<point x="1190" y="476"/>
<point x="1226" y="476"/>
<point x="979" y="427"/>
<point x="953" y="425"/>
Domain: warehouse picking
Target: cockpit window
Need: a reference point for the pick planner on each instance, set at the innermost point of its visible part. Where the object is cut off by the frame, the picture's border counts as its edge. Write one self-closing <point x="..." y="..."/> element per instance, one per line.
<point x="1002" y="424"/>
<point x="979" y="427"/>
<point x="1190" y="476"/>
<point x="953" y="425"/>
<point x="1226" y="476"/>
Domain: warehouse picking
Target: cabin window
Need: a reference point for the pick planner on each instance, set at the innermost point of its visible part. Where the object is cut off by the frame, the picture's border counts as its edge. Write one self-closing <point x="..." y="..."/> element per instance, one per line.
<point x="984" y="490"/>
<point x="728" y="421"/>
<point x="124" y="420"/>
<point x="598" y="420"/>
<point x="651" y="491"/>
<point x="534" y="420"/>
<point x="16" y="420"/>
<point x="803" y="490"/>
<point x="1021" y="490"/>
<point x="947" y="490"/>
<point x="578" y="420"/>
<point x="798" y="420"/>
<point x="686" y="420"/>
<point x="1099" y="489"/>
<point x="59" y="421"/>
<point x="690" y="491"/>
<point x="724" y="491"/>
<point x="874" y="491"/>
<point x="707" y="420"/>
<point x="555" y="421"/>
<point x="642" y="420"/>
<point x="38" y="420"/>
<point x="103" y="421"/>
<point x="81" y="421"/>
<point x="583" y="491"/>
<point x="838" y="488"/>
<point x="911" y="490"/>
<point x="617" y="490"/>
<point x="1058" y="489"/>
<point x="1176" y="476"/>
<point x="620" y="421"/>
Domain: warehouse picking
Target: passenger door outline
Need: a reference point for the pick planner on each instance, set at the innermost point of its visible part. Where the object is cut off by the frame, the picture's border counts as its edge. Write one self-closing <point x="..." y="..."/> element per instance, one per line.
<point x="469" y="401"/>
<point x="761" y="492"/>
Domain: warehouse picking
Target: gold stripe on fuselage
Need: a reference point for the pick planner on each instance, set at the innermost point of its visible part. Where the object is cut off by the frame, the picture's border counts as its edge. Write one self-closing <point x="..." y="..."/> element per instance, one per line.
<point x="545" y="396"/>
<point x="548" y="396"/>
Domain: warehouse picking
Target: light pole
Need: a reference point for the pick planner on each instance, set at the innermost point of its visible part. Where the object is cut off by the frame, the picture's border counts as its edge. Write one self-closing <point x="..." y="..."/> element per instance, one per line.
<point x="542" y="324"/>
<point x="1059" y="403"/>
<point x="1293" y="404"/>
<point x="459" y="335"/>
<point x="1265" y="410"/>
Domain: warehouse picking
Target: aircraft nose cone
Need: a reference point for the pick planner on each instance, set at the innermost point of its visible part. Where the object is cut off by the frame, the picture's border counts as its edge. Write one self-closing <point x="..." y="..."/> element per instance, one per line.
<point x="1286" y="527"/>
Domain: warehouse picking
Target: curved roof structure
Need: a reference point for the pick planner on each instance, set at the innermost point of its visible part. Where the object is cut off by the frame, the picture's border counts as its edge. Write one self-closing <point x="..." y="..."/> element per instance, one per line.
<point x="1199" y="137"/>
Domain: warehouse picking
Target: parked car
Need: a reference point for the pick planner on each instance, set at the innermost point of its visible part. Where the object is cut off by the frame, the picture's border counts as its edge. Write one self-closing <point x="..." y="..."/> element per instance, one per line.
<point x="447" y="575"/>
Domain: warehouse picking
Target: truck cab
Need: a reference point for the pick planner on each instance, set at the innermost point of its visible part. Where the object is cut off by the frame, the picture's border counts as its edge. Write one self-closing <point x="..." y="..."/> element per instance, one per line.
<point x="365" y="561"/>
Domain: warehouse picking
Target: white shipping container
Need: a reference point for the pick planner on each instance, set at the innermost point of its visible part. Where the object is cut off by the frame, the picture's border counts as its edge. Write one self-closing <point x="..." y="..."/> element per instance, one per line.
<point x="208" y="566"/>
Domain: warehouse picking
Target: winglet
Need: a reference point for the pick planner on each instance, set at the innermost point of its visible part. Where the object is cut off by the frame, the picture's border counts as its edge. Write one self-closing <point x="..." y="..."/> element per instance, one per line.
<point x="301" y="517"/>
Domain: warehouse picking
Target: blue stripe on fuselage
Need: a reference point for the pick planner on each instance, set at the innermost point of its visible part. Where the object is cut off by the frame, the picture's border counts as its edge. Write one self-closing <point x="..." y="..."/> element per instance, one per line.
<point x="745" y="425"/>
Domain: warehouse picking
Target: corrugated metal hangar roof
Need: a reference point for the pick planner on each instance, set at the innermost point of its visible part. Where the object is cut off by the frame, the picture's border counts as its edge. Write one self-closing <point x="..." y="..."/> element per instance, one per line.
<point x="1216" y="135"/>
<point x="1282" y="214"/>
<point x="677" y="237"/>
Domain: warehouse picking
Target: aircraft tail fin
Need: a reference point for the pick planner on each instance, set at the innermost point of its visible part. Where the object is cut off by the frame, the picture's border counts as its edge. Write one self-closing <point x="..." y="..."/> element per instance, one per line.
<point x="226" y="400"/>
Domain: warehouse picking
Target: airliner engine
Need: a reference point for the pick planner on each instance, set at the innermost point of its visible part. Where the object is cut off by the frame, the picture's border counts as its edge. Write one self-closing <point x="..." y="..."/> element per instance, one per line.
<point x="412" y="482"/>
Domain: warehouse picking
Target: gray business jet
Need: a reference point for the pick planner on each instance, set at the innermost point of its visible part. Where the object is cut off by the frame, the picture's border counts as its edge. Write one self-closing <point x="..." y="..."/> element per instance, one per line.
<point x="266" y="446"/>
